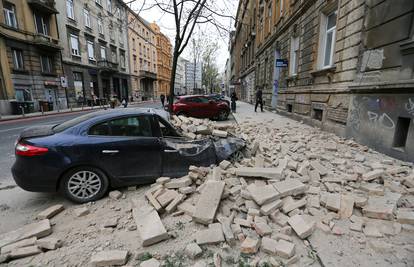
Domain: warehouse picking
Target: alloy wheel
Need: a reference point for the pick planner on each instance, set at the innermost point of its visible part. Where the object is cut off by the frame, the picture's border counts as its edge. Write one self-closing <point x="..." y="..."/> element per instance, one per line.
<point x="84" y="184"/>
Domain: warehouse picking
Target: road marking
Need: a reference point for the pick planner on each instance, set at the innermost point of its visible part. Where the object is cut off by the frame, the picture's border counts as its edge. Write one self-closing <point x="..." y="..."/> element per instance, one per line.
<point x="23" y="127"/>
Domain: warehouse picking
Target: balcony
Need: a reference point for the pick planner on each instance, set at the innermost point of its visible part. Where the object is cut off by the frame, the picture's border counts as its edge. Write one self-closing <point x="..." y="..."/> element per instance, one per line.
<point x="108" y="66"/>
<point x="145" y="74"/>
<point x="46" y="42"/>
<point x="45" y="6"/>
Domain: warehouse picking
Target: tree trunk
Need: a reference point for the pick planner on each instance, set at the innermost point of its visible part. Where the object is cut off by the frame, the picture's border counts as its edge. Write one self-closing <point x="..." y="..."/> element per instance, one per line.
<point x="172" y="80"/>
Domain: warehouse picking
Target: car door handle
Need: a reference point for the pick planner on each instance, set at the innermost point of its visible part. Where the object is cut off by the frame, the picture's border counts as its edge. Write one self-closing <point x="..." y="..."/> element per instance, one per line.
<point x="110" y="151"/>
<point x="170" y="150"/>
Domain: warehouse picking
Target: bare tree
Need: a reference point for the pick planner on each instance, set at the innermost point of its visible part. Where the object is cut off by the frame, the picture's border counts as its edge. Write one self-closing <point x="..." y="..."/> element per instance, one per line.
<point x="187" y="14"/>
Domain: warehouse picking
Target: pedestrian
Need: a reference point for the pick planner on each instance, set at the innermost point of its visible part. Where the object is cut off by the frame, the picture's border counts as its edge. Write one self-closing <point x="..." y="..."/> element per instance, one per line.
<point x="162" y="97"/>
<point x="233" y="98"/>
<point x="259" y="99"/>
<point x="124" y="102"/>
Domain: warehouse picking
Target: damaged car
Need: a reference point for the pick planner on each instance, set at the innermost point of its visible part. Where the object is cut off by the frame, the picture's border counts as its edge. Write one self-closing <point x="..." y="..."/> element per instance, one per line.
<point x="84" y="157"/>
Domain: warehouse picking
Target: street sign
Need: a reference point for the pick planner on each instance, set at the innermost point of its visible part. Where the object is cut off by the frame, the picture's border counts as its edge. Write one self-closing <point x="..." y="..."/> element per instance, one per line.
<point x="282" y="63"/>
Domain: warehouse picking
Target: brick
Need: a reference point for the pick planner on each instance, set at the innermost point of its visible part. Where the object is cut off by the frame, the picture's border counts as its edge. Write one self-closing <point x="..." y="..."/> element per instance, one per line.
<point x="268" y="245"/>
<point x="319" y="168"/>
<point x="202" y="129"/>
<point x="19" y="244"/>
<point x="186" y="190"/>
<point x="80" y="212"/>
<point x="285" y="249"/>
<point x="219" y="133"/>
<point x="405" y="217"/>
<point x="115" y="194"/>
<point x="163" y="180"/>
<point x="153" y="201"/>
<point x="49" y="243"/>
<point x="268" y="173"/>
<point x="290" y="204"/>
<point x="227" y="231"/>
<point x="50" y="212"/>
<point x="150" y="263"/>
<point x="193" y="250"/>
<point x="207" y="205"/>
<point x="381" y="207"/>
<point x="212" y="235"/>
<point x="372" y="189"/>
<point x="270" y="207"/>
<point x="24" y="252"/>
<point x="262" y="229"/>
<point x="371" y="230"/>
<point x="179" y="182"/>
<point x="225" y="164"/>
<point x="290" y="187"/>
<point x="279" y="218"/>
<point x="300" y="226"/>
<point x="38" y="229"/>
<point x="347" y="206"/>
<point x="149" y="225"/>
<point x="250" y="245"/>
<point x="372" y="175"/>
<point x="187" y="208"/>
<point x="173" y="205"/>
<point x="109" y="258"/>
<point x="167" y="197"/>
<point x="333" y="202"/>
<point x="263" y="194"/>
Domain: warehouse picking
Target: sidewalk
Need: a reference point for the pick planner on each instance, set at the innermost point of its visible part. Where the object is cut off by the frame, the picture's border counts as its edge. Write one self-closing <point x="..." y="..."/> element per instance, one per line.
<point x="62" y="111"/>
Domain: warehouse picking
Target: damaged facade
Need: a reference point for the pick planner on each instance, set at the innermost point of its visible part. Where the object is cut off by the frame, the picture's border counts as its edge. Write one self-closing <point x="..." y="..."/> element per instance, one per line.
<point x="339" y="65"/>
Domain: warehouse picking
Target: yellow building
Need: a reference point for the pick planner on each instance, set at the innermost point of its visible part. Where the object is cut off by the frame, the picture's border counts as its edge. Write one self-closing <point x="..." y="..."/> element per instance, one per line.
<point x="143" y="57"/>
<point x="164" y="56"/>
<point x="30" y="63"/>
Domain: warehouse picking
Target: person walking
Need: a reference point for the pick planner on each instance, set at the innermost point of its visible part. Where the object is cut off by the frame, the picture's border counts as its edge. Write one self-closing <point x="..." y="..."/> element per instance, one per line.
<point x="259" y="100"/>
<point x="124" y="102"/>
<point x="233" y="98"/>
<point x="162" y="97"/>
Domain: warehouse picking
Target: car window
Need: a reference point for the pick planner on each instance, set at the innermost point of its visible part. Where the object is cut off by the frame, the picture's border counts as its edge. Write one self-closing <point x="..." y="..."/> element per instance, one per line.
<point x="203" y="100"/>
<point x="128" y="126"/>
<point x="70" y="123"/>
<point x="166" y="130"/>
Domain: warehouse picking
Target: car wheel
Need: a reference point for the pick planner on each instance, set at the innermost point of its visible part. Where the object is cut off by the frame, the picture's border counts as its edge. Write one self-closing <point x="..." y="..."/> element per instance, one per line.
<point x="223" y="115"/>
<point x="182" y="113"/>
<point x="84" y="184"/>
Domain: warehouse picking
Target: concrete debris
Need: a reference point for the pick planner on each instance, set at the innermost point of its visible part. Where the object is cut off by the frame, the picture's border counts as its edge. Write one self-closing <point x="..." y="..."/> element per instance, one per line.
<point x="24" y="252"/>
<point x="300" y="226"/>
<point x="39" y="229"/>
<point x="20" y="244"/>
<point x="263" y="194"/>
<point x="109" y="258"/>
<point x="49" y="243"/>
<point x="50" y="212"/>
<point x="193" y="250"/>
<point x="81" y="211"/>
<point x="268" y="173"/>
<point x="212" y="235"/>
<point x="405" y="217"/>
<point x="149" y="225"/>
<point x="207" y="205"/>
<point x="178" y="183"/>
<point x="219" y="133"/>
<point x="290" y="187"/>
<point x="382" y="207"/>
<point x="115" y="194"/>
<point x="150" y="263"/>
<point x="250" y="245"/>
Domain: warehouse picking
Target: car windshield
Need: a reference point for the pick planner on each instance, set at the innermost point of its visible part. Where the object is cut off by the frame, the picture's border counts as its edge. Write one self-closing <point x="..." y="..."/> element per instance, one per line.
<point x="70" y="123"/>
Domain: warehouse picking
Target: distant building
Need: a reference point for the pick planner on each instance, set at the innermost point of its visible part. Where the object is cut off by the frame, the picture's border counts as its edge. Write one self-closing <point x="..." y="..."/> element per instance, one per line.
<point x="180" y="87"/>
<point x="193" y="78"/>
<point x="30" y="64"/>
<point x="95" y="49"/>
<point x="143" y="57"/>
<point x="164" y="56"/>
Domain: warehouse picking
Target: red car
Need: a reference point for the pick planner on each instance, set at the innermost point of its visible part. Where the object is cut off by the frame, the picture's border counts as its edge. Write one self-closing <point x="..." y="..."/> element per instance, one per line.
<point x="201" y="107"/>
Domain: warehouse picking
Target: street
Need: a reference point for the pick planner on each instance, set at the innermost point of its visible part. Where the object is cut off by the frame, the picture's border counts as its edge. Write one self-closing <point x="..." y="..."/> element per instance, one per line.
<point x="13" y="200"/>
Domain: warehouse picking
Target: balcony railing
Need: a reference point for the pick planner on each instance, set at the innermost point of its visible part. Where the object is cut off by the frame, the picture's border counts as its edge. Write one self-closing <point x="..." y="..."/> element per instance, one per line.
<point x="108" y="65"/>
<point x="46" y="6"/>
<point x="46" y="41"/>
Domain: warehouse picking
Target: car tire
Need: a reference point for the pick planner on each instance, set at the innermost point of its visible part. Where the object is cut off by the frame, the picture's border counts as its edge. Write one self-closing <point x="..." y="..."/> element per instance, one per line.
<point x="84" y="184"/>
<point x="223" y="115"/>
<point x="182" y="113"/>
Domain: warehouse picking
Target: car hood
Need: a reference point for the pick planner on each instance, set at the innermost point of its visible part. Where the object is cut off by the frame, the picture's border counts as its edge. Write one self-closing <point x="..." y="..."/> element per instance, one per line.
<point x="37" y="131"/>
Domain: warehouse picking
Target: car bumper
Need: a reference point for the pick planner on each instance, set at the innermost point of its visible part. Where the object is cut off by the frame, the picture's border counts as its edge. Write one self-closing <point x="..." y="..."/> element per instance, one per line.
<point x="35" y="179"/>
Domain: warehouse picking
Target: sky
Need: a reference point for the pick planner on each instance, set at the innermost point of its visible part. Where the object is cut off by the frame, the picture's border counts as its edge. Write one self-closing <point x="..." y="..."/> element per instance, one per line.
<point x="167" y="25"/>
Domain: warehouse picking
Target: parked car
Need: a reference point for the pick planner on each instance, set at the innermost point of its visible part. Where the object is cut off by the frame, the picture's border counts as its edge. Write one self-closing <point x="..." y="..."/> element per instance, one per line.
<point x="218" y="97"/>
<point x="201" y="107"/>
<point x="85" y="156"/>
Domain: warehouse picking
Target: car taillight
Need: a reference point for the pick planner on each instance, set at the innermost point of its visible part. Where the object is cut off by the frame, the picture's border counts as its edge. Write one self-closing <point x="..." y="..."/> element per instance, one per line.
<point x="29" y="151"/>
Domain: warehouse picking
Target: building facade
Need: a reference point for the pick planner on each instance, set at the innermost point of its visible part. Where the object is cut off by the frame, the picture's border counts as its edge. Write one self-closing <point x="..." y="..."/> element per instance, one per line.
<point x="194" y="78"/>
<point x="95" y="55"/>
<point x="143" y="57"/>
<point x="30" y="64"/>
<point x="180" y="87"/>
<point x="164" y="57"/>
<point x="339" y="65"/>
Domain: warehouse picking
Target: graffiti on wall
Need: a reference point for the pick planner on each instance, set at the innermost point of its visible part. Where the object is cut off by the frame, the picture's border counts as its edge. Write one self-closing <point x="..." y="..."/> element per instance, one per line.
<point x="382" y="120"/>
<point x="409" y="106"/>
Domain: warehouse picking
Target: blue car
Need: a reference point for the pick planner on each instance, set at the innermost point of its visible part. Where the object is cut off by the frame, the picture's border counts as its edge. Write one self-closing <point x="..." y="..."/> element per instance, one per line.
<point x="84" y="157"/>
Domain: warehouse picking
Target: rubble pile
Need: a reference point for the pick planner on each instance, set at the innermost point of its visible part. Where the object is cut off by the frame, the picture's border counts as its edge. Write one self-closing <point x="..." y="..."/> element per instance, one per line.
<point x="196" y="129"/>
<point x="290" y="185"/>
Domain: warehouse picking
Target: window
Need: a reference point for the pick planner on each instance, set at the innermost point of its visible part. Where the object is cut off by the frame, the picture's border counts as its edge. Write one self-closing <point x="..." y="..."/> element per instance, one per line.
<point x="69" y="9"/>
<point x="9" y="11"/>
<point x="166" y="129"/>
<point x="113" y="55"/>
<point x="23" y="95"/>
<point x="110" y="5"/>
<point x="46" y="64"/>
<point x="328" y="39"/>
<point x="100" y="26"/>
<point x="401" y="132"/>
<point x="122" y="56"/>
<point x="281" y="7"/>
<point x="87" y="18"/>
<point x="91" y="50"/>
<point x="74" y="44"/>
<point x="99" y="2"/>
<point x="140" y="49"/>
<point x="42" y="24"/>
<point x="133" y="44"/>
<point x="103" y="52"/>
<point x="317" y="114"/>
<point x="130" y="126"/>
<point x="17" y="59"/>
<point x="294" y="55"/>
<point x="135" y="63"/>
